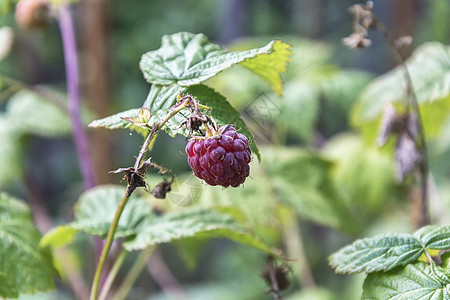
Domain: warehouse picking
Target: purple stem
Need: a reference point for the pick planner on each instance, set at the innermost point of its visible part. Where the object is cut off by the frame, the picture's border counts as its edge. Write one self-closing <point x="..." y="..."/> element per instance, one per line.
<point x="74" y="104"/>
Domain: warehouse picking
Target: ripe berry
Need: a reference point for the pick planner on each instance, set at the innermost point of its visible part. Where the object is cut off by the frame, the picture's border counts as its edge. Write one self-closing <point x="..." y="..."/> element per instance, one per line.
<point x="221" y="159"/>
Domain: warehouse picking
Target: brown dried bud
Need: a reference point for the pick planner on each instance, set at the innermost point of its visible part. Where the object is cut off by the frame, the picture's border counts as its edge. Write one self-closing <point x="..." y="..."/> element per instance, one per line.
<point x="33" y="14"/>
<point x="356" y="40"/>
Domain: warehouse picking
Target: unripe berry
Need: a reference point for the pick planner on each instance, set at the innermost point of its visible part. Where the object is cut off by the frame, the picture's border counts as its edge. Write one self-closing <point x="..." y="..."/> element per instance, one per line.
<point x="222" y="159"/>
<point x="33" y="14"/>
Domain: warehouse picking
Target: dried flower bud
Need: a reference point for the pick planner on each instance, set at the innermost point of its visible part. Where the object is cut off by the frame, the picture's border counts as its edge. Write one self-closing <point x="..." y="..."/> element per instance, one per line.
<point x="33" y="14"/>
<point x="357" y="40"/>
<point x="403" y="41"/>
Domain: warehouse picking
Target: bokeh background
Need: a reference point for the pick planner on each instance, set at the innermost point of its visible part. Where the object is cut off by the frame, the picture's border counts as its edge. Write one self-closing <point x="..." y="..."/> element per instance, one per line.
<point x="321" y="87"/>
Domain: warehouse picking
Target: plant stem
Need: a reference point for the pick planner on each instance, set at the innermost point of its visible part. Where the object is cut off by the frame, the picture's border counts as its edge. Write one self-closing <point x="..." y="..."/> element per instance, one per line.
<point x="164" y="277"/>
<point x="74" y="103"/>
<point x="107" y="247"/>
<point x="133" y="274"/>
<point x="295" y="248"/>
<point x="424" y="169"/>
<point x="112" y="275"/>
<point x="110" y="237"/>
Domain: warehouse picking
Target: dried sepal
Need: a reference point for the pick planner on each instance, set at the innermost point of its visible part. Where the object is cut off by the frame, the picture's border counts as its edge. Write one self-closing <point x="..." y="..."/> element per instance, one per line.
<point x="134" y="177"/>
<point x="407" y="156"/>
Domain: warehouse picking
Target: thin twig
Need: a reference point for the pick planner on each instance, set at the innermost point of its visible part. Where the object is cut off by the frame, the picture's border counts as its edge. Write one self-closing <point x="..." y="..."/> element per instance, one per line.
<point x="275" y="289"/>
<point x="412" y="100"/>
<point x="112" y="274"/>
<point x="133" y="274"/>
<point x="164" y="277"/>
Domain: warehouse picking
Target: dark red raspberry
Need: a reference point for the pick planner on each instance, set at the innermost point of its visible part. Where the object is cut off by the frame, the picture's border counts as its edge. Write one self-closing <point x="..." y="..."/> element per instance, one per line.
<point x="221" y="159"/>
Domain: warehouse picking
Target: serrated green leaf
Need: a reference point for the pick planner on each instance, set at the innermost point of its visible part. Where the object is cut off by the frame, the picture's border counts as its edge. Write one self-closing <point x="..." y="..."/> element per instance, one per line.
<point x="95" y="210"/>
<point x="25" y="268"/>
<point x="33" y="115"/>
<point x="414" y="281"/>
<point x="435" y="237"/>
<point x="380" y="253"/>
<point x="141" y="227"/>
<point x="118" y="121"/>
<point x="188" y="59"/>
<point x="269" y="66"/>
<point x="188" y="223"/>
<point x="429" y="67"/>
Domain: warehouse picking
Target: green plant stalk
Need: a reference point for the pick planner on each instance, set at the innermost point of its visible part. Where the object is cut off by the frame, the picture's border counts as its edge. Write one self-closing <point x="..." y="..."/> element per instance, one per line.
<point x="112" y="274"/>
<point x="294" y="244"/>
<point x="133" y="274"/>
<point x="123" y="201"/>
<point x="107" y="247"/>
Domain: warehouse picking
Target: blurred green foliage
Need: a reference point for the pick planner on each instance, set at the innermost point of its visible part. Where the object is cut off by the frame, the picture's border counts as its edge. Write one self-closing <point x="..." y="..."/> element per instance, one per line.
<point x="321" y="182"/>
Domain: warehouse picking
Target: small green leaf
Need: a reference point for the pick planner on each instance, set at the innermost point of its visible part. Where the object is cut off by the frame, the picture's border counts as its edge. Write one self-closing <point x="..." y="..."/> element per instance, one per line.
<point x="119" y="121"/>
<point x="25" y="267"/>
<point x="58" y="237"/>
<point x="380" y="253"/>
<point x="414" y="281"/>
<point x="188" y="59"/>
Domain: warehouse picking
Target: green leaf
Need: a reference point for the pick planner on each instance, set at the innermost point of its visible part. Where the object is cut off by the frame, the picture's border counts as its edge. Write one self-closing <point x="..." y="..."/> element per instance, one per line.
<point x="58" y="237"/>
<point x="367" y="193"/>
<point x="269" y="66"/>
<point x="302" y="180"/>
<point x="414" y="281"/>
<point x="25" y="267"/>
<point x="191" y="222"/>
<point x="96" y="207"/>
<point x="141" y="227"/>
<point x="117" y="120"/>
<point x="380" y="253"/>
<point x="429" y="67"/>
<point x="188" y="59"/>
<point x="33" y="115"/>
<point x="434" y="237"/>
